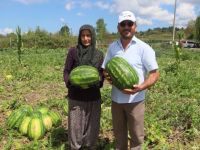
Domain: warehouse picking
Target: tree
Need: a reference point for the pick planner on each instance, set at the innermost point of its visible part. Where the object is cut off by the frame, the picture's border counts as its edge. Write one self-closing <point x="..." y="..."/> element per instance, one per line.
<point x="180" y="35"/>
<point x="190" y="30"/>
<point x="40" y="32"/>
<point x="41" y="38"/>
<point x="197" y="29"/>
<point x="64" y="31"/>
<point x="100" y="29"/>
<point x="19" y="43"/>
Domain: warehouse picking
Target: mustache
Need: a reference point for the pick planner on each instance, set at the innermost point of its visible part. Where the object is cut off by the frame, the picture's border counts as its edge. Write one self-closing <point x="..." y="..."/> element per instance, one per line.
<point x="127" y="30"/>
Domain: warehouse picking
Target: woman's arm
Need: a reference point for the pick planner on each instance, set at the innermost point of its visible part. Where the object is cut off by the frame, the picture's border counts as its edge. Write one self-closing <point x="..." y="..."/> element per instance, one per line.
<point x="69" y="64"/>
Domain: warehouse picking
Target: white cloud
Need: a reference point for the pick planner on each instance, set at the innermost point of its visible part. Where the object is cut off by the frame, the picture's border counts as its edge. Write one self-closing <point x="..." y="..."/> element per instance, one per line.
<point x="146" y="11"/>
<point x="85" y="4"/>
<point x="120" y="5"/>
<point x="102" y="5"/>
<point x="6" y="31"/>
<point x="69" y="5"/>
<point x="31" y="1"/>
<point x="185" y="13"/>
<point x="80" y="14"/>
<point x="62" y="20"/>
<point x="194" y="2"/>
<point x="142" y="21"/>
<point x="156" y="13"/>
<point x="150" y="11"/>
<point x="167" y="2"/>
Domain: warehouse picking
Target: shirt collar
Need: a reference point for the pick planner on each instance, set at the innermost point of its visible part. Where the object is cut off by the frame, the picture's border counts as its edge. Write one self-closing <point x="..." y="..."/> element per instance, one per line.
<point x="133" y="40"/>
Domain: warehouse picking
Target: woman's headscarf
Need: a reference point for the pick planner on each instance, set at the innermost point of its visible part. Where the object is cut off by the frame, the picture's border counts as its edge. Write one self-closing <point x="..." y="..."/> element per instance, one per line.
<point x="86" y="55"/>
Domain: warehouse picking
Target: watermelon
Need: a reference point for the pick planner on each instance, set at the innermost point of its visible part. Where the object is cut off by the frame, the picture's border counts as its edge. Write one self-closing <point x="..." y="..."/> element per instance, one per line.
<point x="56" y="118"/>
<point x="47" y="121"/>
<point x="36" y="129"/>
<point x="122" y="74"/>
<point x="26" y="107"/>
<point x="23" y="128"/>
<point x="33" y="123"/>
<point x="65" y="108"/>
<point x="13" y="118"/>
<point x="17" y="116"/>
<point x="43" y="109"/>
<point x="24" y="112"/>
<point x="84" y="76"/>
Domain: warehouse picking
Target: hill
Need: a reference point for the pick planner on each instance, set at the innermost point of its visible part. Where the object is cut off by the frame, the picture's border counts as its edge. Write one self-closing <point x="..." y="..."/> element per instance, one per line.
<point x="158" y="34"/>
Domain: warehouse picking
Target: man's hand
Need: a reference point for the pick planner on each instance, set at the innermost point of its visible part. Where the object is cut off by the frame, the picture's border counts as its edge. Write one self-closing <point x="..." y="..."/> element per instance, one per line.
<point x="108" y="78"/>
<point x="135" y="89"/>
<point x="152" y="78"/>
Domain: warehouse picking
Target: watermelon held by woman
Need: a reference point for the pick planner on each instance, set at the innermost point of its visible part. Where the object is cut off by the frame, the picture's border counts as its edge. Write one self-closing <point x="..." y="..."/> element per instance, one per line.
<point x="122" y="74"/>
<point x="84" y="76"/>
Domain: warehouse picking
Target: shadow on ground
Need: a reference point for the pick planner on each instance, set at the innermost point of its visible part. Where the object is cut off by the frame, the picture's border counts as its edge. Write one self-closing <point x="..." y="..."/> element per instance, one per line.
<point x="59" y="137"/>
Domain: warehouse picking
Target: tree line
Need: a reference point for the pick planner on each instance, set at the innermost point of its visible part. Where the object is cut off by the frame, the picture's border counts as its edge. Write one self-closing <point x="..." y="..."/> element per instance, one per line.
<point x="40" y="38"/>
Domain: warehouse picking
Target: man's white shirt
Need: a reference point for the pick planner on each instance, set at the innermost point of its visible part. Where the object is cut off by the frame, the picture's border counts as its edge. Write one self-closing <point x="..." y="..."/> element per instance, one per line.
<point x="141" y="57"/>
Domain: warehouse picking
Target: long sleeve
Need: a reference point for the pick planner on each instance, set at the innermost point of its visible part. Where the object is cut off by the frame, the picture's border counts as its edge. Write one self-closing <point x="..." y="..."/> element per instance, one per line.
<point x="69" y="65"/>
<point x="101" y="72"/>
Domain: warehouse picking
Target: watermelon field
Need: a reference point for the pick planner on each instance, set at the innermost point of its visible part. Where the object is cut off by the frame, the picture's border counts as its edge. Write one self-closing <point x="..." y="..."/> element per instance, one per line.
<point x="172" y="119"/>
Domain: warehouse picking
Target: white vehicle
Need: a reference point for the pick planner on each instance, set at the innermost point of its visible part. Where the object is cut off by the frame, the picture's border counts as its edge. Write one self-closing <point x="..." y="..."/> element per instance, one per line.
<point x="187" y="43"/>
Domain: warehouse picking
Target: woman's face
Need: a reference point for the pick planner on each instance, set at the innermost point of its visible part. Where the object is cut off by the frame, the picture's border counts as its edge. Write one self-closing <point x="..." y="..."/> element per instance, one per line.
<point x="86" y="37"/>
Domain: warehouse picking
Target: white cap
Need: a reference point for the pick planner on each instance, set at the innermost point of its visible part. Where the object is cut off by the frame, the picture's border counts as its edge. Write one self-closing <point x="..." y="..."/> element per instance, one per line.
<point x="126" y="15"/>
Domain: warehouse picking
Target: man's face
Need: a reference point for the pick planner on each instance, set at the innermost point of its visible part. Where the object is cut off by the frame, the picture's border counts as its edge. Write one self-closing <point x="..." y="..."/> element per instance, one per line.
<point x="126" y="29"/>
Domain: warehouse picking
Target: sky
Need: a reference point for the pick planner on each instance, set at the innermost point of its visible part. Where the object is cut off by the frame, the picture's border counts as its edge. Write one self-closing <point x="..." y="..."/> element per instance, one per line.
<point x="51" y="15"/>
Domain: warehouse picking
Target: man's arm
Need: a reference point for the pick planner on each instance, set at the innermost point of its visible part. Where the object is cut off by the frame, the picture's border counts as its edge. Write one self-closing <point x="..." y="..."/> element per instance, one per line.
<point x="149" y="81"/>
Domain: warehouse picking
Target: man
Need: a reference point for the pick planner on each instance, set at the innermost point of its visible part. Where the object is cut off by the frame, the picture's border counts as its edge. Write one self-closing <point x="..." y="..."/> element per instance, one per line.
<point x="128" y="104"/>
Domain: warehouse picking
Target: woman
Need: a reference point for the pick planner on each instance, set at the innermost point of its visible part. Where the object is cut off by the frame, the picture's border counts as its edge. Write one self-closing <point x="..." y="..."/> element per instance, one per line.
<point x="84" y="104"/>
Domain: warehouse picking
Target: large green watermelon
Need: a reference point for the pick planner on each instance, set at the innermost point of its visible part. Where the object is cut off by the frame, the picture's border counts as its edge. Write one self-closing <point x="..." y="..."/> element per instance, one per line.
<point x="23" y="128"/>
<point x="14" y="117"/>
<point x="55" y="117"/>
<point x="42" y="109"/>
<point x="122" y="74"/>
<point x="84" y="76"/>
<point x="17" y="116"/>
<point x="36" y="128"/>
<point x="47" y="121"/>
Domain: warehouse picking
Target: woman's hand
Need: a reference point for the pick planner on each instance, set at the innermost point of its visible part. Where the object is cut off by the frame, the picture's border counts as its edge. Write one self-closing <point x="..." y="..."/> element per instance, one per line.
<point x="107" y="77"/>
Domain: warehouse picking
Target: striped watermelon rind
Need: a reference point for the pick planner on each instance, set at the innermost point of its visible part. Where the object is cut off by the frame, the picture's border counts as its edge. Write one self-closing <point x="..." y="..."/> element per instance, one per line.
<point x="23" y="128"/>
<point x="56" y="118"/>
<point x="36" y="129"/>
<point x="122" y="74"/>
<point x="16" y="117"/>
<point x="43" y="109"/>
<point x="47" y="121"/>
<point x="13" y="118"/>
<point x="84" y="76"/>
<point x="35" y="123"/>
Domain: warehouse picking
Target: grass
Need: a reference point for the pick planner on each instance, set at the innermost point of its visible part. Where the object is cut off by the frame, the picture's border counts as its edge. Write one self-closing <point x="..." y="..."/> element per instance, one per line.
<point x="172" y="105"/>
